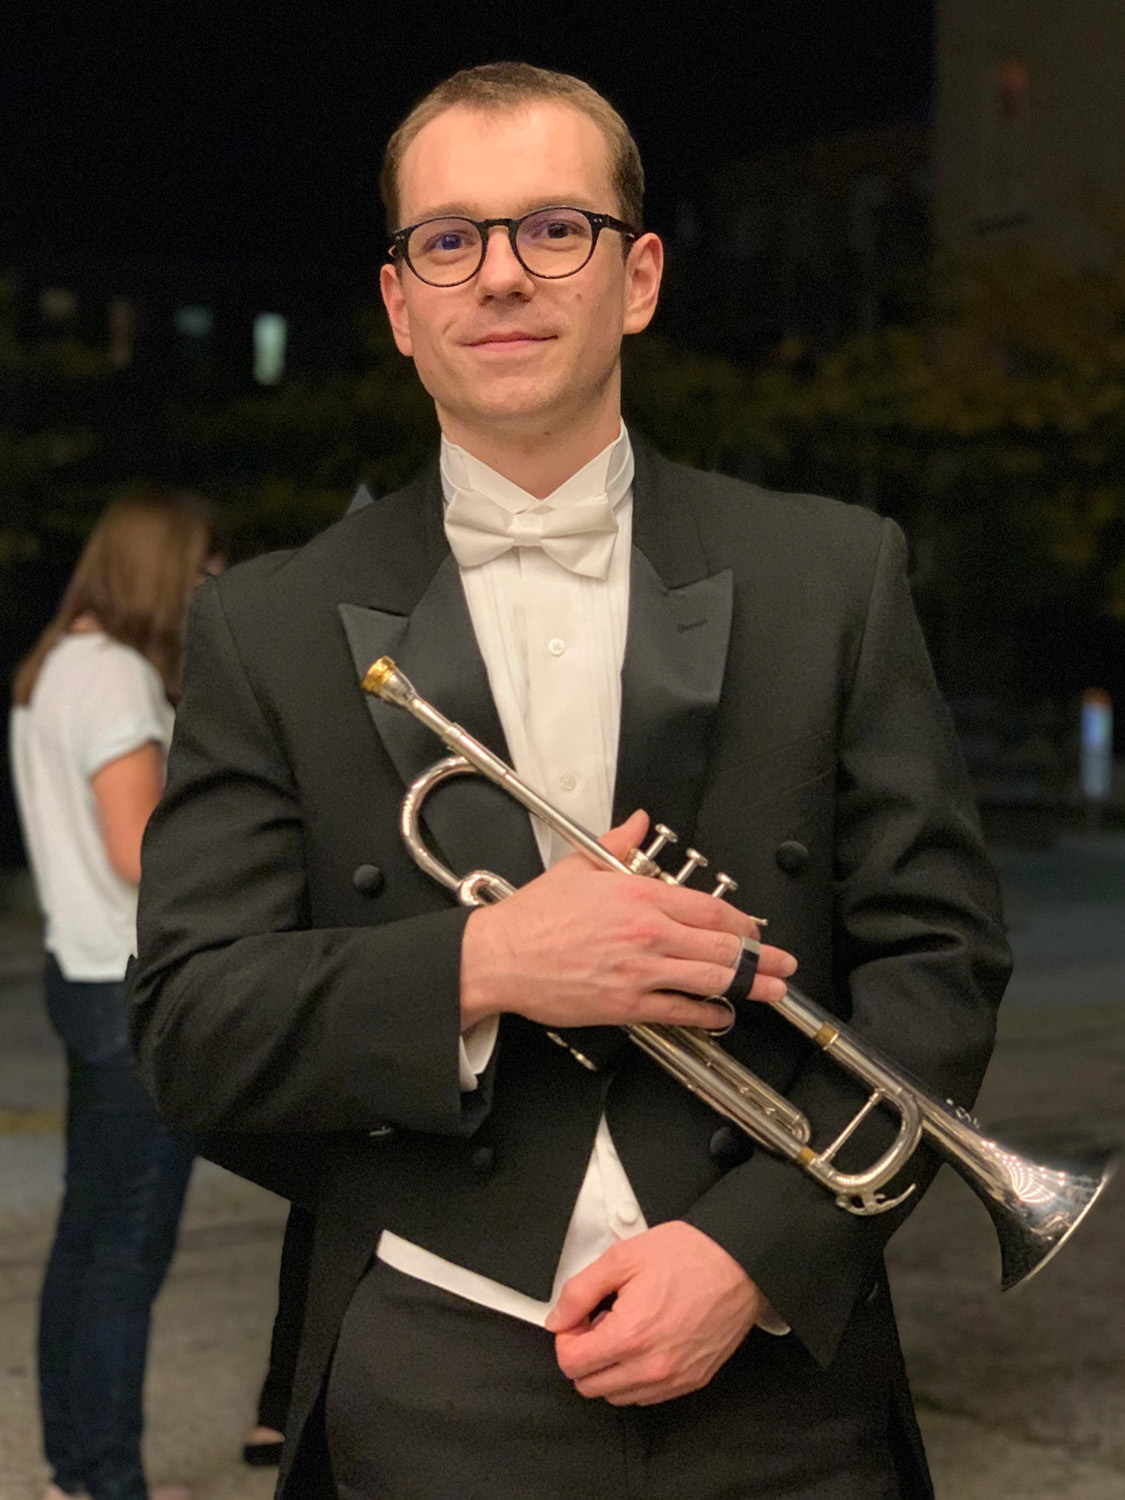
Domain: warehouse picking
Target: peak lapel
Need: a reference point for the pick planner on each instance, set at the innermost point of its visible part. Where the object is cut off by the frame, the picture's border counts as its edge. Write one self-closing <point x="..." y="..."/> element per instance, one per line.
<point x="473" y="823"/>
<point x="675" y="656"/>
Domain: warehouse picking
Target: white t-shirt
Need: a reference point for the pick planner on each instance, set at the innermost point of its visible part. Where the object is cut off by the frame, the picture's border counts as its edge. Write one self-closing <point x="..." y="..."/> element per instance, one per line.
<point x="94" y="701"/>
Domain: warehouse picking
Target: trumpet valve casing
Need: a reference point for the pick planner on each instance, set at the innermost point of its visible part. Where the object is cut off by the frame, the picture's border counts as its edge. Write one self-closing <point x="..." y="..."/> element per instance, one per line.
<point x="640" y="864"/>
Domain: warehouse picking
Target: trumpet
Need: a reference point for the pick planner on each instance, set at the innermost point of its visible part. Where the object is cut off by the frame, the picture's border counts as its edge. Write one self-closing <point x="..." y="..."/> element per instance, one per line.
<point x="1034" y="1208"/>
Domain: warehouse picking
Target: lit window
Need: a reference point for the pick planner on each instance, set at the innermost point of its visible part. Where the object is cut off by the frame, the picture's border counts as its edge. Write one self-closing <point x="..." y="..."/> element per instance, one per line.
<point x="270" y="332"/>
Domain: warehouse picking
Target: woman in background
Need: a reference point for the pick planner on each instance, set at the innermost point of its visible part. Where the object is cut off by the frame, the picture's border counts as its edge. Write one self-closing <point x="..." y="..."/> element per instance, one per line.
<point x="91" y="723"/>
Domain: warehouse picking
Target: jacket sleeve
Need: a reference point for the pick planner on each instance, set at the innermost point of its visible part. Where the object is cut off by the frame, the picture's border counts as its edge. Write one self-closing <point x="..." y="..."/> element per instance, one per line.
<point x="244" y="1017"/>
<point x="921" y="963"/>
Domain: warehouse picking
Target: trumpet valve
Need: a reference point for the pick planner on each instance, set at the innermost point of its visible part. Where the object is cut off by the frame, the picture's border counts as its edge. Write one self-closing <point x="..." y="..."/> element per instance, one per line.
<point x="695" y="861"/>
<point x="724" y="887"/>
<point x="664" y="835"/>
<point x="640" y="864"/>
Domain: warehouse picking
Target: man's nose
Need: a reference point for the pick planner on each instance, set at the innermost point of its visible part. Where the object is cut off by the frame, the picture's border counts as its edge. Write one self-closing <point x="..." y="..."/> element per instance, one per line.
<point x="501" y="273"/>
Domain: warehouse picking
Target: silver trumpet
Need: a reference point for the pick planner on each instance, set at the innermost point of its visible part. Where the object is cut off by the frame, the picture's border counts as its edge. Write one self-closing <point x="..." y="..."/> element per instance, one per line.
<point x="1035" y="1209"/>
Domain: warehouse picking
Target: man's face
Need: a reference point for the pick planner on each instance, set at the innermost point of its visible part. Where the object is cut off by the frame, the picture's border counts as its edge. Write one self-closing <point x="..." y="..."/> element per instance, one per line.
<point x="508" y="354"/>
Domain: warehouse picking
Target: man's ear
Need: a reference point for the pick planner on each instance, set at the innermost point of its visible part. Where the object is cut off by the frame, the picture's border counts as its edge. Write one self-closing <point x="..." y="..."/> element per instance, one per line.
<point x="643" y="270"/>
<point x="394" y="300"/>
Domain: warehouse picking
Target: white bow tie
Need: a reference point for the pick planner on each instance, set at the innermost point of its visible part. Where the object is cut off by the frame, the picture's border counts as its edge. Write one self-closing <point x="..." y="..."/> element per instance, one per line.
<point x="579" y="536"/>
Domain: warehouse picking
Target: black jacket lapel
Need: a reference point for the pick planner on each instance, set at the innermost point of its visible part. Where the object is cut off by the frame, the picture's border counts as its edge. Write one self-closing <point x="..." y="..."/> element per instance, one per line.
<point x="473" y="823"/>
<point x="675" y="655"/>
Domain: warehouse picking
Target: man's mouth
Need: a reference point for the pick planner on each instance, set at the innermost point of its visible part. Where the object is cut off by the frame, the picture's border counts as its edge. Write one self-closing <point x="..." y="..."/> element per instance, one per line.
<point x="513" y="338"/>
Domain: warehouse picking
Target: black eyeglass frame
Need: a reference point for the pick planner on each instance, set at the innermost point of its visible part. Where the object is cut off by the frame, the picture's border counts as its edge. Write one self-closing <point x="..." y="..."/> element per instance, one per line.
<point x="401" y="238"/>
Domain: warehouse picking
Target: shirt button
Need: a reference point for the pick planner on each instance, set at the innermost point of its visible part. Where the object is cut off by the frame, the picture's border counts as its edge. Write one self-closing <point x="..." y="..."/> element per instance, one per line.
<point x="568" y="781"/>
<point x="628" y="1213"/>
<point x="556" y="647"/>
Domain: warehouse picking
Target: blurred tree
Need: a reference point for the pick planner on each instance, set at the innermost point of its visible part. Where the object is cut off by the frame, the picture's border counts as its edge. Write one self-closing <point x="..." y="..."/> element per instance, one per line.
<point x="48" y="455"/>
<point x="284" y="463"/>
<point x="694" y="408"/>
<point x="994" y="429"/>
<point x="47" y="433"/>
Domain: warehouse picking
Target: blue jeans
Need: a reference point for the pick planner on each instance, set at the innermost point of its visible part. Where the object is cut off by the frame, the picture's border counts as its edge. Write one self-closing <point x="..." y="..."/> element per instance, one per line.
<point x="126" y="1175"/>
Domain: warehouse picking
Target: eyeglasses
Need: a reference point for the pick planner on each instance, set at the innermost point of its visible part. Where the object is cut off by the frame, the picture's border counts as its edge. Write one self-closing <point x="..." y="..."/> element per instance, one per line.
<point x="550" y="243"/>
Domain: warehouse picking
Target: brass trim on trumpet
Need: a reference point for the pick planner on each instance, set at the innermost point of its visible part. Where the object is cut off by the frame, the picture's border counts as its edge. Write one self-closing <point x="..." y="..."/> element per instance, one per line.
<point x="377" y="674"/>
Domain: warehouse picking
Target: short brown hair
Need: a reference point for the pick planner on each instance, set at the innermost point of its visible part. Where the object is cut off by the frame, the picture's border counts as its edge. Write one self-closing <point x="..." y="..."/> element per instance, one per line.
<point x="135" y="576"/>
<point x="507" y="85"/>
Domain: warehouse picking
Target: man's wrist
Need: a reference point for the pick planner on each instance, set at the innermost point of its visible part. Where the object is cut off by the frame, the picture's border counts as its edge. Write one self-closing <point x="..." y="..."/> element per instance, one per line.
<point x="478" y="999"/>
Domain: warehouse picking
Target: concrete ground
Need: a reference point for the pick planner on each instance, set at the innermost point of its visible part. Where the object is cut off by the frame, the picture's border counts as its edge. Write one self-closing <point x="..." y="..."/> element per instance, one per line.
<point x="1021" y="1397"/>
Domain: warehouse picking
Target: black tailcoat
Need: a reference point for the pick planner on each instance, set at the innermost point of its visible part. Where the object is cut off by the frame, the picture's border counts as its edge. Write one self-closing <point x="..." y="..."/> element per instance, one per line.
<point x="778" y="710"/>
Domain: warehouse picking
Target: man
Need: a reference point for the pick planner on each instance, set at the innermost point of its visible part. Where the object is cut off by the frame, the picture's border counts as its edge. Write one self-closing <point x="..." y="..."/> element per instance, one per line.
<point x="631" y="634"/>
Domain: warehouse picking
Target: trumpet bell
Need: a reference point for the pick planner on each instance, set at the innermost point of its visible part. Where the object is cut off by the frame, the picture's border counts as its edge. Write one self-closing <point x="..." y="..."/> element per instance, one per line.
<point x="1038" y="1209"/>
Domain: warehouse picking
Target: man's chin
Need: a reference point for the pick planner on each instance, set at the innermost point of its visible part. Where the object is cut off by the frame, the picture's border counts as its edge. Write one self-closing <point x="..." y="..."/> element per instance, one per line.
<point x="506" y="409"/>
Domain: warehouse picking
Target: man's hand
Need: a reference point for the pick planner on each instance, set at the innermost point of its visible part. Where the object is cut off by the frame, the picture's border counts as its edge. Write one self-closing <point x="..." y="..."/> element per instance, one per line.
<point x="683" y="1306"/>
<point x="585" y="946"/>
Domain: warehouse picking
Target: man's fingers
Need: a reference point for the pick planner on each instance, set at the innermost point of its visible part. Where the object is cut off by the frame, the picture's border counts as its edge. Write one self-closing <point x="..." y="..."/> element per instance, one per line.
<point x="703" y="945"/>
<point x="706" y="980"/>
<point x="582" y="1293"/>
<point x="601" y="1365"/>
<point x="596" y="1350"/>
<point x="776" y="961"/>
<point x="616" y="1385"/>
<point x="775" y="966"/>
<point x="696" y="908"/>
<point x="678" y="1009"/>
<point x="582" y="1355"/>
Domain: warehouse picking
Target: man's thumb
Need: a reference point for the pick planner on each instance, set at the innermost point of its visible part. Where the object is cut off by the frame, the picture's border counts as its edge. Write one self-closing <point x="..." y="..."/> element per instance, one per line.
<point x="623" y="839"/>
<point x="582" y="1294"/>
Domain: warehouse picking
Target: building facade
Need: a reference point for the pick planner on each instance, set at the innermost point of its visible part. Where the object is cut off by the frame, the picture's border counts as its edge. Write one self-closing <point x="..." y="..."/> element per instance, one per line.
<point x="1029" y="138"/>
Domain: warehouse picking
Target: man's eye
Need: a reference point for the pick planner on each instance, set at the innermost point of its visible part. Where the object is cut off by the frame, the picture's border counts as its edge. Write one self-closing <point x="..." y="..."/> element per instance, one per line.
<point x="553" y="229"/>
<point x="448" y="242"/>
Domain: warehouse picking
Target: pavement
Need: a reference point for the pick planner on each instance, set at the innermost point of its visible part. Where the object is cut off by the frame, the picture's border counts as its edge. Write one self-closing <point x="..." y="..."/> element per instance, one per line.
<point x="1020" y="1396"/>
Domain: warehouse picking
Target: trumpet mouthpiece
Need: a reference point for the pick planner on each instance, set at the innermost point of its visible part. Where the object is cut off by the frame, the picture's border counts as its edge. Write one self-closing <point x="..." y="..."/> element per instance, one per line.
<point x="384" y="680"/>
<point x="378" y="675"/>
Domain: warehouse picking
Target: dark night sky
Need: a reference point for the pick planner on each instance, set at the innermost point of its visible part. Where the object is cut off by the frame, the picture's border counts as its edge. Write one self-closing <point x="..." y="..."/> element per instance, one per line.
<point x="236" y="131"/>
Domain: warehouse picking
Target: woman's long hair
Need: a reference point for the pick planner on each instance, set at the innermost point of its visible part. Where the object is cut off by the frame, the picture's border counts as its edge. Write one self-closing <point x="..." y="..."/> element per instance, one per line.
<point x="134" y="578"/>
